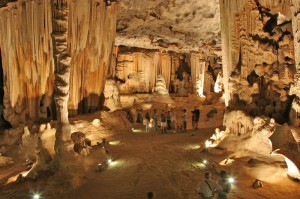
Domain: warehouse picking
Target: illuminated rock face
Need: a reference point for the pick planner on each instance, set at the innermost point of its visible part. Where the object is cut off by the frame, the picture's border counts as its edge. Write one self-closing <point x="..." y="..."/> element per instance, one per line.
<point x="27" y="54"/>
<point x="112" y="95"/>
<point x="258" y="56"/>
<point x="27" y="59"/>
<point x="295" y="87"/>
<point x="137" y="71"/>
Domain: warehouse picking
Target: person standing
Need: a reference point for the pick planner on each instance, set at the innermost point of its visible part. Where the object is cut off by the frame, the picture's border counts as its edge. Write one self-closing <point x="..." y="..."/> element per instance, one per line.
<point x="207" y="188"/>
<point x="184" y="120"/>
<point x="154" y="117"/>
<point x="169" y="120"/>
<point x="173" y="120"/>
<point x="163" y="122"/>
<point x="147" y="118"/>
<point x="195" y="118"/>
<point x="225" y="184"/>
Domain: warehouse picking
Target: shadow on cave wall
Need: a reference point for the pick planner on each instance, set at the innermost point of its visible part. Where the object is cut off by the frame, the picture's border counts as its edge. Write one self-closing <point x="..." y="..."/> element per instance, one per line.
<point x="3" y="123"/>
<point x="89" y="104"/>
<point x="279" y="110"/>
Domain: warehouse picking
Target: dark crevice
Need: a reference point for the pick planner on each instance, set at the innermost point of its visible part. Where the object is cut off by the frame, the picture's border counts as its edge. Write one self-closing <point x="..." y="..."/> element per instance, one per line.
<point x="211" y="71"/>
<point x="238" y="67"/>
<point x="1" y="81"/>
<point x="265" y="40"/>
<point x="3" y="123"/>
<point x="252" y="78"/>
<point x="283" y="35"/>
<point x="270" y="24"/>
<point x="4" y="3"/>
<point x="184" y="67"/>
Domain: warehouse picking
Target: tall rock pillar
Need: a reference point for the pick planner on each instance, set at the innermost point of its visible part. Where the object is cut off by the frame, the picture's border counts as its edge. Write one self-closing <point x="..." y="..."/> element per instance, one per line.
<point x="60" y="9"/>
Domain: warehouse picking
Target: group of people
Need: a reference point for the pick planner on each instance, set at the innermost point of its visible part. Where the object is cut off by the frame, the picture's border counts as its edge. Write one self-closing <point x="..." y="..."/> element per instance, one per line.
<point x="208" y="188"/>
<point x="168" y="120"/>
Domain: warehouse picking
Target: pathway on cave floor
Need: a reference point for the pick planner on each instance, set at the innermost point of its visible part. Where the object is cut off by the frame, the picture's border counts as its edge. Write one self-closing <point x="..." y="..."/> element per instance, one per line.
<point x="165" y="164"/>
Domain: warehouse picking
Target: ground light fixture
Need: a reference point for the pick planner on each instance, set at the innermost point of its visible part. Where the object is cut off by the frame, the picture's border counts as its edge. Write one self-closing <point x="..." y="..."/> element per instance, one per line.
<point x="231" y="180"/>
<point x="109" y="161"/>
<point x="36" y="195"/>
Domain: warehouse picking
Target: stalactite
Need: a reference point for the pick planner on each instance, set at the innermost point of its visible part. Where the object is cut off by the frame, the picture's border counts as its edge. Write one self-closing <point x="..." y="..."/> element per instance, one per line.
<point x="90" y="42"/>
<point x="26" y="50"/>
<point x="198" y="68"/>
<point x="27" y="55"/>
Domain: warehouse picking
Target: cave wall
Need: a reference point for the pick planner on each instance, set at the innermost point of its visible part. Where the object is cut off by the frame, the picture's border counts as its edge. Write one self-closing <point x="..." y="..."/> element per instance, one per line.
<point x="258" y="56"/>
<point x="27" y="56"/>
<point x="137" y="71"/>
<point x="295" y="86"/>
<point x="295" y="9"/>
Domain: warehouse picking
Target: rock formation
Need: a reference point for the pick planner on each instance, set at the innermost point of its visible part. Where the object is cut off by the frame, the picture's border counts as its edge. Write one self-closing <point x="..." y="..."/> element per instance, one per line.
<point x="62" y="61"/>
<point x="30" y="55"/>
<point x="260" y="70"/>
<point x="168" y="25"/>
<point x="160" y="93"/>
<point x="137" y="70"/>
<point x="111" y="95"/>
<point x="258" y="56"/>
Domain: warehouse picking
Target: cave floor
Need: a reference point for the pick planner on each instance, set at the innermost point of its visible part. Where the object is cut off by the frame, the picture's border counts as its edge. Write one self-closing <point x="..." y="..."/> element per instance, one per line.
<point x="169" y="165"/>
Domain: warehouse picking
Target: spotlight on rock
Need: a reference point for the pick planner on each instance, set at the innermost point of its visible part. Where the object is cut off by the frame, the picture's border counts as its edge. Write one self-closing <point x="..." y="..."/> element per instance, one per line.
<point x="205" y="161"/>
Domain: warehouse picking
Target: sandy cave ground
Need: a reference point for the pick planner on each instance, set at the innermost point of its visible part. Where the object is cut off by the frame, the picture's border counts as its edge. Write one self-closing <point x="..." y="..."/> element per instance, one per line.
<point x="167" y="164"/>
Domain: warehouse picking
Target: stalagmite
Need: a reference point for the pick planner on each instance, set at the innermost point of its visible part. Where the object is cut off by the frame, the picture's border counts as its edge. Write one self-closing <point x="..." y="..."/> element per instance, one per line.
<point x="112" y="95"/>
<point x="62" y="73"/>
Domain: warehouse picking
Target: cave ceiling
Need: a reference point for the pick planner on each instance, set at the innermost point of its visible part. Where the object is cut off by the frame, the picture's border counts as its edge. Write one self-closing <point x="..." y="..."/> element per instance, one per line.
<point x="168" y="25"/>
<point x="172" y="25"/>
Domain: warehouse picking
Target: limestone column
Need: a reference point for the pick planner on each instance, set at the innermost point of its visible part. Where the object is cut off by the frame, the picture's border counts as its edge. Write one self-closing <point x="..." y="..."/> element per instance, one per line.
<point x="60" y="9"/>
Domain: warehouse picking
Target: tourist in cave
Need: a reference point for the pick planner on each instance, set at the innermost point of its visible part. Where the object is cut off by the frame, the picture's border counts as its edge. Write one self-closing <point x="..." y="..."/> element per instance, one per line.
<point x="150" y="195"/>
<point x="207" y="188"/>
<point x="169" y="120"/>
<point x="147" y="118"/>
<point x="154" y="117"/>
<point x="225" y="184"/>
<point x="184" y="120"/>
<point x="195" y="118"/>
<point x="163" y="122"/>
<point x="139" y="118"/>
<point x="173" y="120"/>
